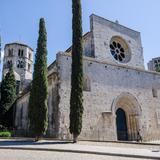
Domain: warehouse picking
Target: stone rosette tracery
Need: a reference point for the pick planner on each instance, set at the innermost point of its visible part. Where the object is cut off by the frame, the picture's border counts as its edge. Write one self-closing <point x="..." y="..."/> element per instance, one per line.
<point x="119" y="50"/>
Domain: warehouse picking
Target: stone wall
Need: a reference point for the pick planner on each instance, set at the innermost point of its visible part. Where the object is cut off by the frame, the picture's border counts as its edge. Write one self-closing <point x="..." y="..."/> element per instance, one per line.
<point x="88" y="46"/>
<point x="103" y="31"/>
<point x="109" y="81"/>
<point x="53" y="110"/>
<point x="21" y="117"/>
<point x="24" y="75"/>
<point x="112" y="85"/>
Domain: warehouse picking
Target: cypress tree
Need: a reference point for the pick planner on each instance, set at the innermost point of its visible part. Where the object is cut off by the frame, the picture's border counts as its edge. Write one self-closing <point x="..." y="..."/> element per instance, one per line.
<point x="38" y="109"/>
<point x="8" y="93"/>
<point x="76" y="99"/>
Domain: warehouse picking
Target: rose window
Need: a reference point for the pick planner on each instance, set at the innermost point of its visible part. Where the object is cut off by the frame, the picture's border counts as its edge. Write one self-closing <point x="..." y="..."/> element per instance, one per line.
<point x="119" y="50"/>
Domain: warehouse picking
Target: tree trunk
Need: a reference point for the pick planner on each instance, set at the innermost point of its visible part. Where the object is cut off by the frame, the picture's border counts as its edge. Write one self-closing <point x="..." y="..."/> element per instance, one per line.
<point x="75" y="138"/>
<point x="36" y="138"/>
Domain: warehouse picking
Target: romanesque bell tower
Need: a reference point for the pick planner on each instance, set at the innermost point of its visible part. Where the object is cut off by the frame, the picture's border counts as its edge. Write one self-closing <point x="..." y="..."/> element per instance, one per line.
<point x="20" y="56"/>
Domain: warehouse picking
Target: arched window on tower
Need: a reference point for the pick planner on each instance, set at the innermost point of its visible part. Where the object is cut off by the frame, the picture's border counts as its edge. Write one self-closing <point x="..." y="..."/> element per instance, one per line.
<point x="10" y="52"/>
<point x="20" y="64"/>
<point x="9" y="63"/>
<point x="86" y="83"/>
<point x="20" y="53"/>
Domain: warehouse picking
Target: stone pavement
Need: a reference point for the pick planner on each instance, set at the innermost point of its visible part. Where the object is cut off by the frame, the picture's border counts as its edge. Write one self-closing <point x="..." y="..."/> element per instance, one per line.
<point x="50" y="155"/>
<point x="93" y="148"/>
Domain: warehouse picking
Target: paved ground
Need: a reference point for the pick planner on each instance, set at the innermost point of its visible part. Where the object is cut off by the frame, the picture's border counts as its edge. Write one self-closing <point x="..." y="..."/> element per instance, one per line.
<point x="155" y="142"/>
<point x="81" y="151"/>
<point x="41" y="155"/>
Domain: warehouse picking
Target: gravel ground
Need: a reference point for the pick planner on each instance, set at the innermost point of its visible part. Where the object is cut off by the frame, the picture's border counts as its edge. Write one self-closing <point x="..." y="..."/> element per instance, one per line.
<point x="42" y="155"/>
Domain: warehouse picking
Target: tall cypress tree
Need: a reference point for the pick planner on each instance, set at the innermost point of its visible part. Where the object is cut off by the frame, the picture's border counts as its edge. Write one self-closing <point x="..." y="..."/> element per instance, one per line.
<point x="76" y="99"/>
<point x="8" y="93"/>
<point x="38" y="109"/>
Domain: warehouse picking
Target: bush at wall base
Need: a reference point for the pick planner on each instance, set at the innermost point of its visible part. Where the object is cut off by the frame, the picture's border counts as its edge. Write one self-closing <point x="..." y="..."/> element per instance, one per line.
<point x="5" y="134"/>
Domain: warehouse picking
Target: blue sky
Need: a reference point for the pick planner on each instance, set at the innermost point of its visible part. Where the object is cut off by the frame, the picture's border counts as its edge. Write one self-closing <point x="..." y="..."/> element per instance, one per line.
<point x="19" y="21"/>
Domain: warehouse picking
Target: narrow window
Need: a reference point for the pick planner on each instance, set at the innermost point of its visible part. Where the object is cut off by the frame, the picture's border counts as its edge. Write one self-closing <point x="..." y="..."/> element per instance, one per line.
<point x="29" y="56"/>
<point x="19" y="52"/>
<point x="18" y="64"/>
<point x="86" y="84"/>
<point x="29" y="67"/>
<point x="9" y="63"/>
<point x="21" y="64"/>
<point x="10" y="52"/>
<point x="154" y="93"/>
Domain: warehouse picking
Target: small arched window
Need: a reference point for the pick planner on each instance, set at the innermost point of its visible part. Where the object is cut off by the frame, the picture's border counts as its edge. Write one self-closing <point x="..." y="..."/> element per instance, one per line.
<point x="86" y="83"/>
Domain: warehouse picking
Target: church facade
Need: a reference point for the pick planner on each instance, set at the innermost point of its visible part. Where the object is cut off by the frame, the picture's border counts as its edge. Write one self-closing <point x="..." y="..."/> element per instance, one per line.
<point x="121" y="98"/>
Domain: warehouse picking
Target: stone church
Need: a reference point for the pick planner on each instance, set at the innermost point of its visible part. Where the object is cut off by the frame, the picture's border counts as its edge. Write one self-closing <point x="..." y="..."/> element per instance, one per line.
<point x="121" y="98"/>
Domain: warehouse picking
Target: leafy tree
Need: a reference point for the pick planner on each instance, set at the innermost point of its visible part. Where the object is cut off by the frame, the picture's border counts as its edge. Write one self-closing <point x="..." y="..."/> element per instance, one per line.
<point x="158" y="69"/>
<point x="76" y="99"/>
<point x="38" y="109"/>
<point x="8" y="93"/>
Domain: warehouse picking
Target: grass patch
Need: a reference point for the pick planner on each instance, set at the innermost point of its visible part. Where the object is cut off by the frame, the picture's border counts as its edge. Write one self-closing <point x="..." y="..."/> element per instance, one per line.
<point x="5" y="134"/>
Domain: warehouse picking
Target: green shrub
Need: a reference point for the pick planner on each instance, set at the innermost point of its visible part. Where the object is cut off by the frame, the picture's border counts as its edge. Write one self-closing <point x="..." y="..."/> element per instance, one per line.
<point x="5" y="134"/>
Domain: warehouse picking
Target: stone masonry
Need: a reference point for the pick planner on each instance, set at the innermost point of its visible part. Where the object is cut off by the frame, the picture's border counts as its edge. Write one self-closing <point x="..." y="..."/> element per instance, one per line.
<point x="110" y="84"/>
<point x="20" y="56"/>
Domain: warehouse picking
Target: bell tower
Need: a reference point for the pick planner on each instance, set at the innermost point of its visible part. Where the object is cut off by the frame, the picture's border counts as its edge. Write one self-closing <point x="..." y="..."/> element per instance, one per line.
<point x="20" y="56"/>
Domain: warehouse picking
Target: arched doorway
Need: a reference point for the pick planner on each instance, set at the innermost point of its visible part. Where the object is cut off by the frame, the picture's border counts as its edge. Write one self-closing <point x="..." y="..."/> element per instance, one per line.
<point x="127" y="113"/>
<point x="122" y="131"/>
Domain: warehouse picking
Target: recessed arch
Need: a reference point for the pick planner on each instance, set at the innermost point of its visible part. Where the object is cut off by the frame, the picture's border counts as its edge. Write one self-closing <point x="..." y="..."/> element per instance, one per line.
<point x="129" y="104"/>
<point x="132" y="100"/>
<point x="121" y="122"/>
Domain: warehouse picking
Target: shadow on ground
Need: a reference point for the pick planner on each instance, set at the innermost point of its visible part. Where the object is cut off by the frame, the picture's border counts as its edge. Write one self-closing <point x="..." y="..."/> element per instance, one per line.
<point x="30" y="142"/>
